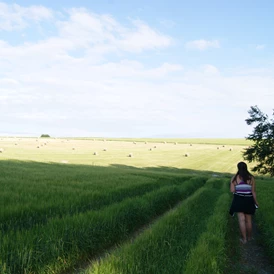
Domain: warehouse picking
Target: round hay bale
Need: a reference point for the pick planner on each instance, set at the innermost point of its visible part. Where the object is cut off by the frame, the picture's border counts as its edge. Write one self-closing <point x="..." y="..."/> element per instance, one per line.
<point x="104" y="149"/>
<point x="134" y="143"/>
<point x="150" y="149"/>
<point x="73" y="148"/>
<point x="230" y="149"/>
<point x="38" y="147"/>
<point x="95" y="153"/>
<point x="217" y="147"/>
<point x="186" y="154"/>
<point x="223" y="145"/>
<point x="145" y="143"/>
<point x="1" y="150"/>
<point x="155" y="147"/>
<point x="175" y="143"/>
<point x="130" y="155"/>
<point x="190" y="145"/>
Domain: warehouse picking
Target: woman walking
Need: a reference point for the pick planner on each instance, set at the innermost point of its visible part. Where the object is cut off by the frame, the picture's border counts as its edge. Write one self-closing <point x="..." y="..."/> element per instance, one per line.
<point x="244" y="201"/>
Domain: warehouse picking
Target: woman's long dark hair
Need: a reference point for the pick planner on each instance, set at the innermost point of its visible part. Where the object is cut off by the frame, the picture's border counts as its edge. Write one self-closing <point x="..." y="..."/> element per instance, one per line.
<point x="243" y="172"/>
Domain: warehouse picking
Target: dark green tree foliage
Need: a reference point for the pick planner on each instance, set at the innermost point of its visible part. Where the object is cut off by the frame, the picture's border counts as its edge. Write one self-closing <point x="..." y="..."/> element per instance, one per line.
<point x="262" y="149"/>
<point x="45" y="136"/>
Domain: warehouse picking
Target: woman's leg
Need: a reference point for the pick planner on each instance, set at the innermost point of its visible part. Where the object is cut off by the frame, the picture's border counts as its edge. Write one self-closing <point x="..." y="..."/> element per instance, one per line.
<point x="242" y="225"/>
<point x="248" y="223"/>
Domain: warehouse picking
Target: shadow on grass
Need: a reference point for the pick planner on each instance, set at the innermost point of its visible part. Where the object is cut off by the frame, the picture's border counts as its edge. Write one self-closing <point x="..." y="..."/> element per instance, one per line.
<point x="32" y="169"/>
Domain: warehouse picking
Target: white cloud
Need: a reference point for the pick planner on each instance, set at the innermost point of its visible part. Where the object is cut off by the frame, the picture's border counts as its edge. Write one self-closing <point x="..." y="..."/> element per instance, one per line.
<point x="88" y="77"/>
<point x="143" y="38"/>
<point x="202" y="44"/>
<point x="168" y="23"/>
<point x="210" y="69"/>
<point x="260" y="47"/>
<point x="85" y="28"/>
<point x="14" y="17"/>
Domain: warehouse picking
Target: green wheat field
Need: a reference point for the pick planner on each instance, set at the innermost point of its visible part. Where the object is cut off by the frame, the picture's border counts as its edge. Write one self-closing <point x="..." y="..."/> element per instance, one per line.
<point x="84" y="205"/>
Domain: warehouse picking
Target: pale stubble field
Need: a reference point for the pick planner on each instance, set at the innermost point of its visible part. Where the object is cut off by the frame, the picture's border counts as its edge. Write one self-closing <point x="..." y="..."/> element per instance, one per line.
<point x="217" y="155"/>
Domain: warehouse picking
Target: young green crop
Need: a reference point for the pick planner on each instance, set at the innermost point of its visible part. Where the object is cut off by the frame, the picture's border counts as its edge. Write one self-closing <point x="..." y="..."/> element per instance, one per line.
<point x="65" y="201"/>
<point x="264" y="215"/>
<point x="165" y="246"/>
<point x="209" y="254"/>
<point x="61" y="242"/>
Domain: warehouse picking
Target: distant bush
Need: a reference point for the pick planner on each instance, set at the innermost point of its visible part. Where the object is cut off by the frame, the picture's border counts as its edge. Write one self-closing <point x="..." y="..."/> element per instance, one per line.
<point x="45" y="136"/>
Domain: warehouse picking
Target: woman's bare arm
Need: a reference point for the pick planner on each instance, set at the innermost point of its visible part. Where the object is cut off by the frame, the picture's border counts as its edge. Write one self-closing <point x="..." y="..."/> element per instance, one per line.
<point x="254" y="191"/>
<point x="232" y="185"/>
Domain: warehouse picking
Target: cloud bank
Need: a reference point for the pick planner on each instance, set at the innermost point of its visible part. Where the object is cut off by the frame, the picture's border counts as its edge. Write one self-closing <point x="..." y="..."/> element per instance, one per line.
<point x="78" y="73"/>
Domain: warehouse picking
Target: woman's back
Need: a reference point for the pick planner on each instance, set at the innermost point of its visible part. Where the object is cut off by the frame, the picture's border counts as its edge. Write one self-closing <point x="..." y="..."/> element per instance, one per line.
<point x="242" y="187"/>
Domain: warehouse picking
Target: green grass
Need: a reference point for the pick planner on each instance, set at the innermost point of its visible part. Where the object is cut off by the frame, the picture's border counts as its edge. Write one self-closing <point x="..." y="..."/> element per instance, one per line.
<point x="62" y="241"/>
<point x="209" y="254"/>
<point x="165" y="246"/>
<point x="264" y="215"/>
<point x="62" y="205"/>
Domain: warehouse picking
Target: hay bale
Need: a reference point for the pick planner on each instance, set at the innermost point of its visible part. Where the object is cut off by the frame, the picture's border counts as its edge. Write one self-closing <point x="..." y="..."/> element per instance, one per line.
<point x="223" y="145"/>
<point x="175" y="143"/>
<point x="130" y="155"/>
<point x="186" y="154"/>
<point x="38" y="147"/>
<point x="95" y="153"/>
<point x="134" y="143"/>
<point x="104" y="149"/>
<point x="73" y="148"/>
<point x="217" y="147"/>
<point x="155" y="147"/>
<point x="145" y="143"/>
<point x="230" y="149"/>
<point x="150" y="149"/>
<point x="1" y="150"/>
<point x="190" y="145"/>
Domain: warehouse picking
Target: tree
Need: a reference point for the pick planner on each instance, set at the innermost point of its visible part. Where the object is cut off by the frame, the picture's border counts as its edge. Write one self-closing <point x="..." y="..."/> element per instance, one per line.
<point x="262" y="149"/>
<point x="45" y="136"/>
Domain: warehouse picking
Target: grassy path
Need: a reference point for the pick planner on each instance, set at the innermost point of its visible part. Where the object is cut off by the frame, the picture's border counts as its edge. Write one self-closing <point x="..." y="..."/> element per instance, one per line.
<point x="164" y="246"/>
<point x="251" y="258"/>
<point x="85" y="265"/>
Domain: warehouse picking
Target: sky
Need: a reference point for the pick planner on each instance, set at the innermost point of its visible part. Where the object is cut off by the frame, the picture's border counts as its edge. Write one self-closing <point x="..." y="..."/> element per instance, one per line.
<point x="146" y="68"/>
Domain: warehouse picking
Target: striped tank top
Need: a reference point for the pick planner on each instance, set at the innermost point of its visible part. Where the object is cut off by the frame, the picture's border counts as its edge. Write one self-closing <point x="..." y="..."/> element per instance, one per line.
<point x="243" y="188"/>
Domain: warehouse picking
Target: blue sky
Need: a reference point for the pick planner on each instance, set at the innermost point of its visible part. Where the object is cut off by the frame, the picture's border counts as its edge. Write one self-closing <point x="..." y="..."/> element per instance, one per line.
<point x="134" y="68"/>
